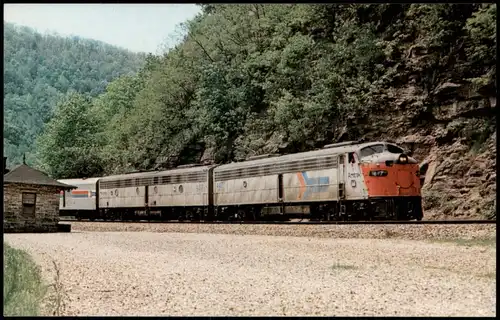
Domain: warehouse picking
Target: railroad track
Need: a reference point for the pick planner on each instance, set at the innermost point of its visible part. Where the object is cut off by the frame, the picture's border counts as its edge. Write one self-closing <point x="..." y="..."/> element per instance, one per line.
<point x="442" y="222"/>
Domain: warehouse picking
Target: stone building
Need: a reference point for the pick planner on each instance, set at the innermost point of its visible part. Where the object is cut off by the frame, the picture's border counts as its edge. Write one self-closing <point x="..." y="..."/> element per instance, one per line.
<point x="30" y="200"/>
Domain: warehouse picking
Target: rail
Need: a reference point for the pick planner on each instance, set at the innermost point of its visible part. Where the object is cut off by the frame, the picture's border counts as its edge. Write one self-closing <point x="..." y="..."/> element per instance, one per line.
<point x="424" y="222"/>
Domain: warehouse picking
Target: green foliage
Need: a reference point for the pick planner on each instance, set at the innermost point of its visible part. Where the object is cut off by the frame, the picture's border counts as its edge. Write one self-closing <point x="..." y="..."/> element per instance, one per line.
<point x="482" y="34"/>
<point x="23" y="288"/>
<point x="40" y="69"/>
<point x="482" y="43"/>
<point x="111" y="110"/>
<point x="69" y="146"/>
<point x="251" y="78"/>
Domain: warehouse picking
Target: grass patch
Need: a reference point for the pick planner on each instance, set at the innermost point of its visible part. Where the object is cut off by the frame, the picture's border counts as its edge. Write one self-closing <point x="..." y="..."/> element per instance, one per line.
<point x="23" y="289"/>
<point x="483" y="242"/>
<point x="339" y="266"/>
<point x="487" y="275"/>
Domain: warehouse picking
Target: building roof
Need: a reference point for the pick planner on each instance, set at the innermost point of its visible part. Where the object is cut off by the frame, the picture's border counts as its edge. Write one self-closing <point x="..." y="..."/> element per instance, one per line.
<point x="28" y="175"/>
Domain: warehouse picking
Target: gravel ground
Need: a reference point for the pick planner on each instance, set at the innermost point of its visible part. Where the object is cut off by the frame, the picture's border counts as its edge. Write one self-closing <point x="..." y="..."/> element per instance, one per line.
<point x="146" y="273"/>
<point x="409" y="232"/>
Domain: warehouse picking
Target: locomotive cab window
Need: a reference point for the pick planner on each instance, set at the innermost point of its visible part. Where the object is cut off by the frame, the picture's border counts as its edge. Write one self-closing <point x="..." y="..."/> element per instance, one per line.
<point x="351" y="157"/>
<point x="393" y="149"/>
<point x="370" y="150"/>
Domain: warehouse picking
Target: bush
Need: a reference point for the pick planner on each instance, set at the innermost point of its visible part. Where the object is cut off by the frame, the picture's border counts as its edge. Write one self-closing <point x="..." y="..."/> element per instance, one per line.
<point x="432" y="200"/>
<point x="23" y="289"/>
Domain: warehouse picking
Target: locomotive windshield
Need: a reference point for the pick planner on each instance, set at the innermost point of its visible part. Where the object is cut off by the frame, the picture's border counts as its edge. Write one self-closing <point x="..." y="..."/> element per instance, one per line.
<point x="368" y="151"/>
<point x="379" y="148"/>
<point x="393" y="149"/>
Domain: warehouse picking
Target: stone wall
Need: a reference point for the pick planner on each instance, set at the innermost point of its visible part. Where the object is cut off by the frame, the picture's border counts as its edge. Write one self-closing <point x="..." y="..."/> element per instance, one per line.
<point x="46" y="216"/>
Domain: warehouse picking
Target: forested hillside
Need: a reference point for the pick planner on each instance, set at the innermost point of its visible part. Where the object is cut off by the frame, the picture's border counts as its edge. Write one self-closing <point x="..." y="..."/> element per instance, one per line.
<point x="40" y="69"/>
<point x="254" y="79"/>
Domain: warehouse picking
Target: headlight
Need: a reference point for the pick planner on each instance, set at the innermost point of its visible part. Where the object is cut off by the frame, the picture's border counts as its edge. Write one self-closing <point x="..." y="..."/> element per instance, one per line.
<point x="403" y="158"/>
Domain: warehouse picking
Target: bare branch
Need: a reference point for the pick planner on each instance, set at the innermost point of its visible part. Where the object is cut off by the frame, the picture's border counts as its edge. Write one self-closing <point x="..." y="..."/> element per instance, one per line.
<point x="201" y="46"/>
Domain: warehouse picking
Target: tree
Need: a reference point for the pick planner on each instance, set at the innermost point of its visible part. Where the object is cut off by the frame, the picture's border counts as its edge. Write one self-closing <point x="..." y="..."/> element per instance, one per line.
<point x="69" y="146"/>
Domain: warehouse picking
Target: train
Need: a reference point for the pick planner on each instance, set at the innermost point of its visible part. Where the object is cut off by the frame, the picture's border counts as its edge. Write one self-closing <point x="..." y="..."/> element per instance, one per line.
<point x="348" y="181"/>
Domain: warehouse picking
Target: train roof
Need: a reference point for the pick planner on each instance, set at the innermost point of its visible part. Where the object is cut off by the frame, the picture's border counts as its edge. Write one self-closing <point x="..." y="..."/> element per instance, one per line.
<point x="155" y="173"/>
<point x="79" y="181"/>
<point x="298" y="156"/>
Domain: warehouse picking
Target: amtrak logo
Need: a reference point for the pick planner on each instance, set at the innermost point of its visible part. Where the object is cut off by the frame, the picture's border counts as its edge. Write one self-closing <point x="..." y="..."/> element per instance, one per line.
<point x="311" y="185"/>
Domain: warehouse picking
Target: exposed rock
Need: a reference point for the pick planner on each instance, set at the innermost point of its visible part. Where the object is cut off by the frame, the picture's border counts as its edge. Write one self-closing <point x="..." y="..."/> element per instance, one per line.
<point x="447" y="87"/>
<point x="472" y="182"/>
<point x="458" y="183"/>
<point x="475" y="172"/>
<point x="440" y="178"/>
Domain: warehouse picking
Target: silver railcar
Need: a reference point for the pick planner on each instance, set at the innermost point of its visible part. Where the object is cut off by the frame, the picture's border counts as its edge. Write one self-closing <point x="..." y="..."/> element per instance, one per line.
<point x="162" y="193"/>
<point x="80" y="202"/>
<point x="313" y="176"/>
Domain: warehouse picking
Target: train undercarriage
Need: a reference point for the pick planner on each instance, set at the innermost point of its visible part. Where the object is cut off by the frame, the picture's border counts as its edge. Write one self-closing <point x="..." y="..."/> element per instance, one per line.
<point x="390" y="208"/>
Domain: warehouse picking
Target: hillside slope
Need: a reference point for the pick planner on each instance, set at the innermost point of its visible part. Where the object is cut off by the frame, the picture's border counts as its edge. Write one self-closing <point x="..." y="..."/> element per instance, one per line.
<point x="255" y="79"/>
<point x="39" y="69"/>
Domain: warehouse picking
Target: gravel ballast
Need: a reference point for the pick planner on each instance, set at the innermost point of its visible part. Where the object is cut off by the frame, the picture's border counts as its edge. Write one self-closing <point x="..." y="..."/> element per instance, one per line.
<point x="410" y="232"/>
<point x="152" y="273"/>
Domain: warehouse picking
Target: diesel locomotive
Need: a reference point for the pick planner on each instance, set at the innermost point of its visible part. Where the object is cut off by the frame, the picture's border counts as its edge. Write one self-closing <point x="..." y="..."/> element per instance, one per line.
<point x="343" y="181"/>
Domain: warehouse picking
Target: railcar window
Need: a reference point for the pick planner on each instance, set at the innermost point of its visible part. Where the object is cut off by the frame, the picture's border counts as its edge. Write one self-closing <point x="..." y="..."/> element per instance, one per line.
<point x="393" y="149"/>
<point x="368" y="151"/>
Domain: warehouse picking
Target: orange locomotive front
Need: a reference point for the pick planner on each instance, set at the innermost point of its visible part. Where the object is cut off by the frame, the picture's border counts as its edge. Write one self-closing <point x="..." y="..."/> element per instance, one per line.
<point x="392" y="182"/>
